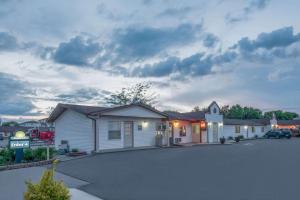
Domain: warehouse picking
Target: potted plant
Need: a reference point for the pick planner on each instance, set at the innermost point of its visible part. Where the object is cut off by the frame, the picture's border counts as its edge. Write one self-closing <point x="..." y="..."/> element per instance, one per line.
<point x="222" y="140"/>
<point x="237" y="139"/>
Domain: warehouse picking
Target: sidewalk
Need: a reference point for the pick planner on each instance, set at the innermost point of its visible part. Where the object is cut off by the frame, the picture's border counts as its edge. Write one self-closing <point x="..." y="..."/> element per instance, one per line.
<point x="13" y="186"/>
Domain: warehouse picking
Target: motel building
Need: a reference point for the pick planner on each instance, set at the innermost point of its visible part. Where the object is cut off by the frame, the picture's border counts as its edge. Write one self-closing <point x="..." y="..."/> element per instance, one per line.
<point x="96" y="129"/>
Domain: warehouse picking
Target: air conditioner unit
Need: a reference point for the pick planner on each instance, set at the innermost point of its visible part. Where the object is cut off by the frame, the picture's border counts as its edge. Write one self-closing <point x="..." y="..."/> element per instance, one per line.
<point x="177" y="140"/>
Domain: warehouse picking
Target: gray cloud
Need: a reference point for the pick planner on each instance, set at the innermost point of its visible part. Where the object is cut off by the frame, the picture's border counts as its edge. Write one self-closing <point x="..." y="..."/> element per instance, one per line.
<point x="139" y="43"/>
<point x="83" y="95"/>
<point x="8" y="42"/>
<point x="13" y="99"/>
<point x="77" y="51"/>
<point x="195" y="65"/>
<point x="175" y="12"/>
<point x="210" y="40"/>
<point x="278" y="38"/>
<point x="253" y="6"/>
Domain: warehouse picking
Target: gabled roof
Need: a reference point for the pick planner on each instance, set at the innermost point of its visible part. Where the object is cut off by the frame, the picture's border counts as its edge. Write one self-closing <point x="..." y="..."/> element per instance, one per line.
<point x="248" y="122"/>
<point x="94" y="110"/>
<point x="83" y="109"/>
<point x="127" y="106"/>
<point x="211" y="104"/>
<point x="188" y="116"/>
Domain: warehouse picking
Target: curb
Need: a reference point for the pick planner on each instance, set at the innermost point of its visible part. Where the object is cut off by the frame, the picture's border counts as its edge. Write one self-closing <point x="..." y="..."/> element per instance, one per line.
<point x="26" y="165"/>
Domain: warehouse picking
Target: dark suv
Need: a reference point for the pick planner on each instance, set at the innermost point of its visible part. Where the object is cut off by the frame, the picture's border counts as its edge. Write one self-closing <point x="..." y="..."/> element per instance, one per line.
<point x="278" y="134"/>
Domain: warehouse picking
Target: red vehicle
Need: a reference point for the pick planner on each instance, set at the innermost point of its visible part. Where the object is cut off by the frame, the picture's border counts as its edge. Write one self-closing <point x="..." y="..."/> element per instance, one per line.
<point x="36" y="134"/>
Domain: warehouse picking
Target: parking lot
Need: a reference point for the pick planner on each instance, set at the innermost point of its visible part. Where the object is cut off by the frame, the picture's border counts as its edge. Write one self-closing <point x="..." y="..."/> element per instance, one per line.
<point x="255" y="169"/>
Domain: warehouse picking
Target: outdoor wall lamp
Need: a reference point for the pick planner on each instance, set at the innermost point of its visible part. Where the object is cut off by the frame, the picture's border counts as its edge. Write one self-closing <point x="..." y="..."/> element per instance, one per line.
<point x="220" y="124"/>
<point x="209" y="123"/>
<point x="145" y="124"/>
<point x="246" y="127"/>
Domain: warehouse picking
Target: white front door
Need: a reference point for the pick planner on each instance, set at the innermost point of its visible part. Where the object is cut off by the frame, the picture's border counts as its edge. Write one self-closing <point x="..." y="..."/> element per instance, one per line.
<point x="215" y="132"/>
<point x="128" y="134"/>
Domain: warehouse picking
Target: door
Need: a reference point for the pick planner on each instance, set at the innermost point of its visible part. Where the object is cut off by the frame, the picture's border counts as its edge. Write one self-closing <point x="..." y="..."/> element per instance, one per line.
<point x="196" y="133"/>
<point x="215" y="132"/>
<point x="128" y="134"/>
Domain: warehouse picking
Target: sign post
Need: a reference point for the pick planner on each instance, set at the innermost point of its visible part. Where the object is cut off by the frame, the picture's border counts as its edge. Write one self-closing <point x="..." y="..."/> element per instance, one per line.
<point x="19" y="142"/>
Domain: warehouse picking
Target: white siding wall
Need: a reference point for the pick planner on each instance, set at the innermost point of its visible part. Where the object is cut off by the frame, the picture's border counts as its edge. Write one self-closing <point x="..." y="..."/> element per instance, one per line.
<point x="146" y="137"/>
<point x="188" y="137"/>
<point x="211" y="118"/>
<point x="229" y="130"/>
<point x="77" y="129"/>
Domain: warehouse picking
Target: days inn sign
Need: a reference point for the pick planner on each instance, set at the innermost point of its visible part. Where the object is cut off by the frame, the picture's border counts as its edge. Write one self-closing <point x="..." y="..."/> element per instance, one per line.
<point x="19" y="141"/>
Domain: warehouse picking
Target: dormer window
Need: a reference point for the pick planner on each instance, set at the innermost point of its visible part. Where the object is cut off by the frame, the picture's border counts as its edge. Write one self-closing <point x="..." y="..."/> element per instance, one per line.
<point x="215" y="110"/>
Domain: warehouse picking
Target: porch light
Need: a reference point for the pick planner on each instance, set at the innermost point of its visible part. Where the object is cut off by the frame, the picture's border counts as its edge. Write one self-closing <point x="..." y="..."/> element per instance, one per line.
<point x="145" y="124"/>
<point x="202" y="124"/>
<point x="176" y="123"/>
<point x="246" y="127"/>
<point x="209" y="123"/>
<point x="220" y="124"/>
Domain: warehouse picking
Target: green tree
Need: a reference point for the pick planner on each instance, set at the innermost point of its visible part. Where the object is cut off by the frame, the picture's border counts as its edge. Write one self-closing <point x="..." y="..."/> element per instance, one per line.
<point x="47" y="188"/>
<point x="196" y="109"/>
<point x="11" y="123"/>
<point x="239" y="112"/>
<point x="139" y="93"/>
<point x="281" y="115"/>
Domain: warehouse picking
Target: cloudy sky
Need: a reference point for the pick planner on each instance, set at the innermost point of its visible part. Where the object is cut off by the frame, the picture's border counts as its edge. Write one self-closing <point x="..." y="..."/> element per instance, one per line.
<point x="77" y="51"/>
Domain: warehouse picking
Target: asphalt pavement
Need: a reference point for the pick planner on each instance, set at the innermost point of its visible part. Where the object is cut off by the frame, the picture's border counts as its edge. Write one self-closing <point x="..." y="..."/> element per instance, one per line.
<point x="250" y="170"/>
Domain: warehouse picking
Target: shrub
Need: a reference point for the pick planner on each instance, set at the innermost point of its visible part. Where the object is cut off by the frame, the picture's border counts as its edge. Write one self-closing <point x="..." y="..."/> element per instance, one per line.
<point x="7" y="156"/>
<point x="75" y="150"/>
<point x="47" y="188"/>
<point x="40" y="154"/>
<point x="28" y="155"/>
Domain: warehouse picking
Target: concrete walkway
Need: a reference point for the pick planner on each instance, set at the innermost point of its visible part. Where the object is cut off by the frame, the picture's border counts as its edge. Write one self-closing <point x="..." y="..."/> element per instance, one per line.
<point x="12" y="183"/>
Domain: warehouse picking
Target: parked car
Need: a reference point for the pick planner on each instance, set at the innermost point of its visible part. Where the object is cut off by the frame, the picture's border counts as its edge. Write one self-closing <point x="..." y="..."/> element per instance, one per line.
<point x="278" y="134"/>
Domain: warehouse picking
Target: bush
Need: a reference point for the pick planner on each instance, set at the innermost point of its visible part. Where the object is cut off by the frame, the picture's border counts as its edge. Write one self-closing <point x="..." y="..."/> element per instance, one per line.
<point x="47" y="188"/>
<point x="7" y="156"/>
<point x="28" y="155"/>
<point x="75" y="150"/>
<point x="41" y="153"/>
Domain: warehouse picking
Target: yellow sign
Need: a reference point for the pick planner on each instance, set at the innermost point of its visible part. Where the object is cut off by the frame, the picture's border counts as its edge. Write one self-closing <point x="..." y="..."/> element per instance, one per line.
<point x="20" y="135"/>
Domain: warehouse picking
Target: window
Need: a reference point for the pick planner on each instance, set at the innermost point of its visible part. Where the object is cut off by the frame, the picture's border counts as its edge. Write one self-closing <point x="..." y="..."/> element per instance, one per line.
<point x="140" y="127"/>
<point x="182" y="131"/>
<point x="237" y="129"/>
<point x="262" y="129"/>
<point x="114" y="130"/>
<point x="253" y="129"/>
<point x="215" y="110"/>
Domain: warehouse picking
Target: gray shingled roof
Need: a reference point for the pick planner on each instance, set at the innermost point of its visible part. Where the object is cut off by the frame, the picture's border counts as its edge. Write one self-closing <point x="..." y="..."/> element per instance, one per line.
<point x="288" y="122"/>
<point x="93" y="110"/>
<point x="189" y="116"/>
<point x="248" y="122"/>
<point x="83" y="109"/>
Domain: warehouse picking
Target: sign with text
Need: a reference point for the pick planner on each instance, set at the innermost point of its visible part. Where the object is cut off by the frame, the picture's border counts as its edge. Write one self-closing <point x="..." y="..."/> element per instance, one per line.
<point x="19" y="141"/>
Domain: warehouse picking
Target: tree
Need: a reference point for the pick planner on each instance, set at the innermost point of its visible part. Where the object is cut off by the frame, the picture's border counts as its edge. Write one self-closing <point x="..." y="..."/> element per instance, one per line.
<point x="281" y="115"/>
<point x="139" y="93"/>
<point x="196" y="109"/>
<point x="11" y="123"/>
<point x="239" y="112"/>
<point x="47" y="188"/>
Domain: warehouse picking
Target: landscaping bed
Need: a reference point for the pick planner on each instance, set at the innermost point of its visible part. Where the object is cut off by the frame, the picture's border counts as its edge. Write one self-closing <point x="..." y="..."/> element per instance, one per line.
<point x="32" y="157"/>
